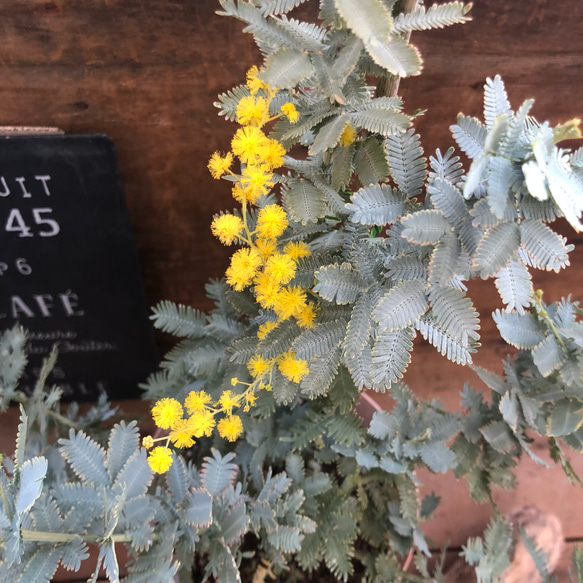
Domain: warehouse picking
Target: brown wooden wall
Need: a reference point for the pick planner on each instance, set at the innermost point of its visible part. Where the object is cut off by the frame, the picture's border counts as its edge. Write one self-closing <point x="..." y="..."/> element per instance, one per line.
<point x="146" y="72"/>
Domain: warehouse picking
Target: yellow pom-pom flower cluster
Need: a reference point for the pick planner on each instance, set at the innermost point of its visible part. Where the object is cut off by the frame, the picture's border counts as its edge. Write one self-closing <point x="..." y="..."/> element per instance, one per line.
<point x="264" y="264"/>
<point x="195" y="419"/>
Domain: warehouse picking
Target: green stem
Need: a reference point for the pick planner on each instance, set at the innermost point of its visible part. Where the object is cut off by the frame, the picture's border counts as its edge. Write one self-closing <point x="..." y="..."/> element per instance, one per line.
<point x="40" y="536"/>
<point x="538" y="300"/>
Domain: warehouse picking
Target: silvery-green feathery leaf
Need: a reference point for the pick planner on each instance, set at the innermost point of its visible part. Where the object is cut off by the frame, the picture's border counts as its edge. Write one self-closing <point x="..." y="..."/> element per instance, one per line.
<point x="514" y="285"/>
<point x="425" y="227"/>
<point x="286" y="538"/>
<point x="547" y="249"/>
<point x="124" y="440"/>
<point x="309" y="35"/>
<point x="285" y="68"/>
<point x="444" y="260"/>
<point x="391" y="356"/>
<point x="496" y="135"/>
<point x="136" y="475"/>
<point x="484" y="217"/>
<point x="234" y="524"/>
<point x="446" y="167"/>
<point x="228" y="102"/>
<point x="178" y="319"/>
<point x="270" y="7"/>
<point x="516" y="127"/>
<point x="455" y="313"/>
<point x="498" y="435"/>
<point x="446" y="345"/>
<point x="448" y="199"/>
<point x="347" y="59"/>
<point x="359" y="367"/>
<point x="278" y="340"/>
<point x="548" y="356"/>
<point x="369" y="162"/>
<point x="342" y="166"/>
<point x="495" y="101"/>
<point x="359" y="327"/>
<point x="500" y="178"/>
<point x="535" y="180"/>
<point x="520" y="330"/>
<point x="307" y="267"/>
<point x="218" y="472"/>
<point x="379" y="118"/>
<point x="45" y="515"/>
<point x="223" y="328"/>
<point x="537" y="210"/>
<point x="566" y="417"/>
<point x="329" y="134"/>
<point x="205" y="359"/>
<point x="243" y="349"/>
<point x="21" y="436"/>
<point x="284" y="390"/>
<point x="322" y="370"/>
<point x="339" y="283"/>
<point x="497" y="248"/>
<point x="327" y="80"/>
<point x="42" y="565"/>
<point x="12" y="343"/>
<point x="320" y="339"/>
<point x="31" y="477"/>
<point x="405" y="267"/>
<point x="369" y="20"/>
<point x="303" y="201"/>
<point x="288" y="134"/>
<point x="335" y="202"/>
<point x="407" y="165"/>
<point x="476" y="175"/>
<point x="537" y="554"/>
<point x="437" y="456"/>
<point x="345" y="430"/>
<point x="377" y="204"/>
<point x="470" y="135"/>
<point x="401" y="306"/>
<point x="87" y="458"/>
<point x="437" y="16"/>
<point x="396" y="56"/>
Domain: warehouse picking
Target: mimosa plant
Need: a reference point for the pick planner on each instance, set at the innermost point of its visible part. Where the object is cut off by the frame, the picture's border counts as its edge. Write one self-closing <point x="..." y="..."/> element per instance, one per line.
<point x="348" y="243"/>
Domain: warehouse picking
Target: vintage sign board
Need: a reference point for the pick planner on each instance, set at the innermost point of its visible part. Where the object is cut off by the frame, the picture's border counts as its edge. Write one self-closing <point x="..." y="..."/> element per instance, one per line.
<point x="68" y="266"/>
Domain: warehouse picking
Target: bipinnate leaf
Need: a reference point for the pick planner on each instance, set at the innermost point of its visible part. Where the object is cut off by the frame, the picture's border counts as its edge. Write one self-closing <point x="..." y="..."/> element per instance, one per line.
<point x="470" y="135"/>
<point x="342" y="166"/>
<point x="369" y="160"/>
<point x="323" y="370"/>
<point x="20" y="442"/>
<point x="500" y="178"/>
<point x="547" y="249"/>
<point x="437" y="456"/>
<point x="377" y="204"/>
<point x="455" y="313"/>
<point x="391" y="356"/>
<point x="32" y="475"/>
<point x="446" y="344"/>
<point x="136" y="475"/>
<point x="286" y="67"/>
<point x="329" y="135"/>
<point x="444" y="259"/>
<point x="303" y="201"/>
<point x="448" y="199"/>
<point x="498" y="435"/>
<point x="425" y="227"/>
<point x="42" y="565"/>
<point x="495" y="100"/>
<point x="565" y="189"/>
<point x="74" y="553"/>
<point x="401" y="305"/>
<point x="497" y="248"/>
<point x="358" y="330"/>
<point x="218" y="472"/>
<point x="407" y="165"/>
<point x="339" y="283"/>
<point x="566" y="417"/>
<point x="234" y="524"/>
<point x="321" y="339"/>
<point x="520" y="330"/>
<point x="436" y="16"/>
<point x="286" y="538"/>
<point x="86" y="457"/>
<point x="278" y="340"/>
<point x="110" y="561"/>
<point x="548" y="356"/>
<point x="514" y="285"/>
<point x="177" y="479"/>
<point x="396" y="56"/>
<point x="124" y="440"/>
<point x="199" y="512"/>
<point x="178" y="319"/>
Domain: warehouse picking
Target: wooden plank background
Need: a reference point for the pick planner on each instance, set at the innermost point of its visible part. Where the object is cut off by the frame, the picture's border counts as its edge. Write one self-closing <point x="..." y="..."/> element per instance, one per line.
<point x="146" y="72"/>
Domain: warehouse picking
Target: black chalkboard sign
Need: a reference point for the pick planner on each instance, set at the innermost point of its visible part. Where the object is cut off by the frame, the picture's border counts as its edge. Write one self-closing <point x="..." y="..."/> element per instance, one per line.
<point x="68" y="266"/>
